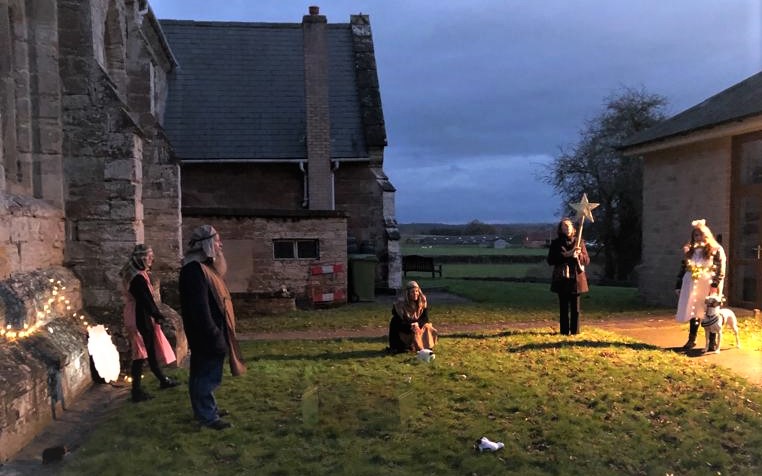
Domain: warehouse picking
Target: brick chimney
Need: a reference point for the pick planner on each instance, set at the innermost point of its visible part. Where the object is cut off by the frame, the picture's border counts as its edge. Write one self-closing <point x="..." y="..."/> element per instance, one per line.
<point x="319" y="179"/>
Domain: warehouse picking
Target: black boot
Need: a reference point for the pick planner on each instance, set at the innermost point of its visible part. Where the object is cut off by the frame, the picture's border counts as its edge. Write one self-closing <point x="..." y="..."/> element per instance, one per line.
<point x="138" y="394"/>
<point x="692" y="332"/>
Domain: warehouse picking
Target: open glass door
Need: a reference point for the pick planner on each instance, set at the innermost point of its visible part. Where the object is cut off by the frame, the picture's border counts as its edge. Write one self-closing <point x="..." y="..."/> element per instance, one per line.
<point x="745" y="263"/>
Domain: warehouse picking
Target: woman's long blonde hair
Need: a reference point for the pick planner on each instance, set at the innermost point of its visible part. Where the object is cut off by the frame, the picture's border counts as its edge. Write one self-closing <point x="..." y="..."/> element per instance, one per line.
<point x="710" y="244"/>
<point x="406" y="308"/>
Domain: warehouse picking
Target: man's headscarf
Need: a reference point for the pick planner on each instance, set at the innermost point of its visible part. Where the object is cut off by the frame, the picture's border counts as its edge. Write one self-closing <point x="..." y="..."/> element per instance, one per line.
<point x="136" y="264"/>
<point x="201" y="245"/>
<point x="407" y="308"/>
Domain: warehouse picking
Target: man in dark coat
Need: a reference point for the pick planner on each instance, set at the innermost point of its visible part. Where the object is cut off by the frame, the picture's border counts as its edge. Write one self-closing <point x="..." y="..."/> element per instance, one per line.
<point x="209" y="323"/>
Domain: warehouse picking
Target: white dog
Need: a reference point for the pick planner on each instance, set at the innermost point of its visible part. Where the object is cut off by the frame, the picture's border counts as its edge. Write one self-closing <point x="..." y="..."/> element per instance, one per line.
<point x="716" y="318"/>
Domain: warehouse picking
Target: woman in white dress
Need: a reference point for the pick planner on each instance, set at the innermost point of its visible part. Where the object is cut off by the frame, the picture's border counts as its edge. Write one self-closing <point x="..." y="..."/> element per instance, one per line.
<point x="702" y="273"/>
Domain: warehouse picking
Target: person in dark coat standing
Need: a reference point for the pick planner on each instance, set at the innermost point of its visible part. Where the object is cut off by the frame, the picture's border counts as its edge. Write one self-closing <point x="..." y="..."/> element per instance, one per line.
<point x="569" y="259"/>
<point x="209" y="321"/>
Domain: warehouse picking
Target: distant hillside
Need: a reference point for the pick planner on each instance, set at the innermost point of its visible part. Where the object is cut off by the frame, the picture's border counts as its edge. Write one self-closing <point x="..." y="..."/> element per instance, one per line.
<point x="476" y="228"/>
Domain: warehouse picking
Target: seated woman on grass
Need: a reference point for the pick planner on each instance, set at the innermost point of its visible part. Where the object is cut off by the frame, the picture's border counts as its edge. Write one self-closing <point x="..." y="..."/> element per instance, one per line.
<point x="410" y="329"/>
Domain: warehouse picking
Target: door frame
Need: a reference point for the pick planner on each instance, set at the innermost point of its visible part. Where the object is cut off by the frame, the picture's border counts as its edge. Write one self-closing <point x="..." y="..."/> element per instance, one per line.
<point x="736" y="260"/>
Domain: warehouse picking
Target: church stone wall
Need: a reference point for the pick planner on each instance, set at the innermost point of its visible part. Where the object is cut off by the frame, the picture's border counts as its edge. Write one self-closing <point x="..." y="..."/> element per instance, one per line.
<point x="367" y="197"/>
<point x="85" y="173"/>
<point x="31" y="235"/>
<point x="43" y="355"/>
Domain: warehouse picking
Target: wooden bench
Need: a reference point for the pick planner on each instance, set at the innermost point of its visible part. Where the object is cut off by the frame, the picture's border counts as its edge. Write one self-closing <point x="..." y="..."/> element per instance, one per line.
<point x="421" y="264"/>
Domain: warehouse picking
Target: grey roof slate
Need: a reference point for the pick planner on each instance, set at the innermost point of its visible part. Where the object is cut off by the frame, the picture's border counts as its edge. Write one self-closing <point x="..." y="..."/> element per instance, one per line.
<point x="738" y="102"/>
<point x="238" y="92"/>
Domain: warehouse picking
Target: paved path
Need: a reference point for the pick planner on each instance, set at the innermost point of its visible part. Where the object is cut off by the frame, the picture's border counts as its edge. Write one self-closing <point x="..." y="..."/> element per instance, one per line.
<point x="664" y="332"/>
<point x="100" y="400"/>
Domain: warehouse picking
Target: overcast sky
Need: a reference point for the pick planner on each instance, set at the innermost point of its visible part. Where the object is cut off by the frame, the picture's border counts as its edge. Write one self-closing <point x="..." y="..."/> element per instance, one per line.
<point x="479" y="95"/>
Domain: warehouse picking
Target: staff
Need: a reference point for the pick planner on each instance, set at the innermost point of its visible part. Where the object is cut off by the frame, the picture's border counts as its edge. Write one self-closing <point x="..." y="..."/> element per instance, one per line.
<point x="584" y="210"/>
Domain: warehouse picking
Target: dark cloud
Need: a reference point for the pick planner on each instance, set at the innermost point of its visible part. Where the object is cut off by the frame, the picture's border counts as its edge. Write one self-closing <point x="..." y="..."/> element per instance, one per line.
<point x="477" y="94"/>
<point x="503" y="188"/>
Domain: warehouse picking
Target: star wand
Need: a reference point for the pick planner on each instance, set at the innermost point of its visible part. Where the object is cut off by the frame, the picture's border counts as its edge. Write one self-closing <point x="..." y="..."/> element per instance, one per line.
<point x="584" y="209"/>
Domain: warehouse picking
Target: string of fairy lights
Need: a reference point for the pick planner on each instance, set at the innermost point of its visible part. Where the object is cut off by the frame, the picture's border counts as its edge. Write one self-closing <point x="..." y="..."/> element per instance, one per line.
<point x="45" y="305"/>
<point x="49" y="304"/>
<point x="700" y="270"/>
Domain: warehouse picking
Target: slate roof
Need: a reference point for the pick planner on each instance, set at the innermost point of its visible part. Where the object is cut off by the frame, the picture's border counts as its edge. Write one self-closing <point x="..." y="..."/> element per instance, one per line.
<point x="238" y="92"/>
<point x="738" y="102"/>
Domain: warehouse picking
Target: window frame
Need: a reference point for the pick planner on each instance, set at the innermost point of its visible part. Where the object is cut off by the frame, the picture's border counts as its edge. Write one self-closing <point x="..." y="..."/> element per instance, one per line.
<point x="295" y="248"/>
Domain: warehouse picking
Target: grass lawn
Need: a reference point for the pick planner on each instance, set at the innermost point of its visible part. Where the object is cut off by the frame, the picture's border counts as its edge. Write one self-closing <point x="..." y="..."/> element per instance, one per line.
<point x="493" y="302"/>
<point x="594" y="404"/>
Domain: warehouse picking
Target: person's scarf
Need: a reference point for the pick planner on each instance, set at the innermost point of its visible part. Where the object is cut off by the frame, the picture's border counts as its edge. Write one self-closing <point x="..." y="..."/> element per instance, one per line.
<point x="568" y="243"/>
<point x="135" y="265"/>
<point x="225" y="303"/>
<point x="201" y="245"/>
<point x="408" y="309"/>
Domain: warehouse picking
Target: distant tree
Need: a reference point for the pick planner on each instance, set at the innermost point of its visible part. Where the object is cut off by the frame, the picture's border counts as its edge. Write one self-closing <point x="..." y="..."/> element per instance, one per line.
<point x="594" y="166"/>
<point x="476" y="227"/>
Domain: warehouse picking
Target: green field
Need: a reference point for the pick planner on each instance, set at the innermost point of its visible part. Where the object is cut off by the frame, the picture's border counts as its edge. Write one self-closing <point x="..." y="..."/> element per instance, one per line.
<point x="519" y="270"/>
<point x="460" y="268"/>
<point x="469" y="250"/>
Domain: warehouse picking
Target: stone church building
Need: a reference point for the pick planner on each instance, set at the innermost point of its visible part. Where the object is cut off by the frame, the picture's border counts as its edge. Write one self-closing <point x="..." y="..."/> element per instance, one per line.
<point x="705" y="162"/>
<point x="113" y="135"/>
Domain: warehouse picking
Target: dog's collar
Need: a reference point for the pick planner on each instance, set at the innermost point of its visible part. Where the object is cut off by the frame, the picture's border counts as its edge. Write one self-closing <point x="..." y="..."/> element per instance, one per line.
<point x="710" y="320"/>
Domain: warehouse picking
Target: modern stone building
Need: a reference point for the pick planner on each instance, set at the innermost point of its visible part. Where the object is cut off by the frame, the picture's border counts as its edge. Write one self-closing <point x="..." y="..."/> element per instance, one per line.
<point x="280" y="134"/>
<point x="705" y="162"/>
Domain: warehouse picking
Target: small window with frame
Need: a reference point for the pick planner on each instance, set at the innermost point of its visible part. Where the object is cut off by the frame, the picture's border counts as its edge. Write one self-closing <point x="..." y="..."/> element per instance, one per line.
<point x="296" y="249"/>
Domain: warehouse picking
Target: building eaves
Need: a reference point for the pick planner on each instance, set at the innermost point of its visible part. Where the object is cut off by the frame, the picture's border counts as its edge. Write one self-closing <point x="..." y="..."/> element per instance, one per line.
<point x="737" y="103"/>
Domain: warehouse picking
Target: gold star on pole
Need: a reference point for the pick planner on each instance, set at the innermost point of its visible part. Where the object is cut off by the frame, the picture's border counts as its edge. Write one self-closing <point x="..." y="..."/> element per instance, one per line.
<point x="584" y="208"/>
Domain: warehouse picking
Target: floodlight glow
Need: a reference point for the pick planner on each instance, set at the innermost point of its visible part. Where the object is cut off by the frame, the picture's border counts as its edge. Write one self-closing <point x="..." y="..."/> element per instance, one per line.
<point x="104" y="353"/>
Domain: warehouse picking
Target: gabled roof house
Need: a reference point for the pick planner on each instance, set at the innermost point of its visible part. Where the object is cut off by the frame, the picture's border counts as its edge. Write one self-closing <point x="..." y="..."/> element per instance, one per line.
<point x="280" y="134"/>
<point x="705" y="162"/>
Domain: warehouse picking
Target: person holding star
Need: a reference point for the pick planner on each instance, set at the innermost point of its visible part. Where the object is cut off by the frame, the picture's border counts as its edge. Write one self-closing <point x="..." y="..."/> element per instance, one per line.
<point x="568" y="256"/>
